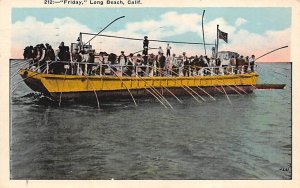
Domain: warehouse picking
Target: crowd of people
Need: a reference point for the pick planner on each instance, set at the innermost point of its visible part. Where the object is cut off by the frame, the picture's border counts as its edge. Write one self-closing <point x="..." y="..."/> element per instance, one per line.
<point x="86" y="61"/>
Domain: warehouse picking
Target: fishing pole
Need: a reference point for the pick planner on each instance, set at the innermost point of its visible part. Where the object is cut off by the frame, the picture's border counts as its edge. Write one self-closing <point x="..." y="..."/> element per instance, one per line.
<point x="192" y="90"/>
<point x="104" y="28"/>
<point x="195" y="92"/>
<point x="183" y="86"/>
<point x="241" y="90"/>
<point x="228" y="85"/>
<point x="222" y="88"/>
<point x="226" y="93"/>
<point x="218" y="89"/>
<point x="157" y="92"/>
<point x="167" y="90"/>
<point x="62" y="88"/>
<point x="16" y="73"/>
<point x="18" y="83"/>
<point x="206" y="92"/>
<point x="173" y="94"/>
<point x="161" y="102"/>
<point x="234" y="90"/>
<point x="124" y="85"/>
<point x="94" y="92"/>
<point x="270" y="52"/>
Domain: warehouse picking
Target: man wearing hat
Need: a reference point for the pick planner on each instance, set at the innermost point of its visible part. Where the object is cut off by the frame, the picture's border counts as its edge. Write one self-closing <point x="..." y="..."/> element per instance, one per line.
<point x="145" y="45"/>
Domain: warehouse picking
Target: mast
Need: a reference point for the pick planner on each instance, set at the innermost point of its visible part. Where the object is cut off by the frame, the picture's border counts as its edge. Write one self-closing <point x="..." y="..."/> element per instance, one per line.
<point x="80" y="42"/>
<point x="203" y="32"/>
<point x="217" y="47"/>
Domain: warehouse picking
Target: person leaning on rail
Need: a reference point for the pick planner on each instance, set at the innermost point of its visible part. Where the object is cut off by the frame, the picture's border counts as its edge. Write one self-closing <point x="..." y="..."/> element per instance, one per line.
<point x="138" y="64"/>
<point x="151" y="62"/>
<point x="130" y="66"/>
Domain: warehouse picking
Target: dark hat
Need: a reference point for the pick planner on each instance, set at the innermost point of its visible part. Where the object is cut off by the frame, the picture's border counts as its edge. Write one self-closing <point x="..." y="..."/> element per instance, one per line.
<point x="139" y="55"/>
<point x="145" y="37"/>
<point x="131" y="54"/>
<point x="122" y="52"/>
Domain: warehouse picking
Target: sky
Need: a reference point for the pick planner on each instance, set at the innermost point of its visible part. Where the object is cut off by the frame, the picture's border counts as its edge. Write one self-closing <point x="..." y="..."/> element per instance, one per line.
<point x="250" y="30"/>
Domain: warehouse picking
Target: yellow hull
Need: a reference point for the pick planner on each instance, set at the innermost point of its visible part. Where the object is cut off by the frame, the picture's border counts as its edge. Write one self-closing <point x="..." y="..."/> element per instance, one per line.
<point x="50" y="83"/>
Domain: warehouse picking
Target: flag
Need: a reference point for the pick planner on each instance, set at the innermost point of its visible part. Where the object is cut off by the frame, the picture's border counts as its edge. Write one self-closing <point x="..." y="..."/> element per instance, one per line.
<point x="223" y="35"/>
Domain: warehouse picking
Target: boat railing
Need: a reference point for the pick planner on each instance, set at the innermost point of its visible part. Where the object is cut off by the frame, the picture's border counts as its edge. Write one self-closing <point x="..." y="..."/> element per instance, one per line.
<point x="101" y="69"/>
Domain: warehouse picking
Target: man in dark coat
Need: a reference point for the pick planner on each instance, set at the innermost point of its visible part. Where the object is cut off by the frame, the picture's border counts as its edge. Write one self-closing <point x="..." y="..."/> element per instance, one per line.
<point x="162" y="60"/>
<point x="145" y="45"/>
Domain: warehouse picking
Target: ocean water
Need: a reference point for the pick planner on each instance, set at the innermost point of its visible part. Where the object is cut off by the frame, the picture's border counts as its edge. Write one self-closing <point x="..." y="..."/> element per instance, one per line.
<point x="248" y="139"/>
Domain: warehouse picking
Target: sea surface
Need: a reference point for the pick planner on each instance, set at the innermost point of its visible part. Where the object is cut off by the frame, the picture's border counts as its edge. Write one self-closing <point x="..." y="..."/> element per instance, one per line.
<point x="248" y="139"/>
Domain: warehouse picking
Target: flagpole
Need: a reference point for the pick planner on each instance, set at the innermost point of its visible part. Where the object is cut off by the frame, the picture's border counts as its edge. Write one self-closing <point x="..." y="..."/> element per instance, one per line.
<point x="214" y="55"/>
<point x="203" y="32"/>
<point x="217" y="50"/>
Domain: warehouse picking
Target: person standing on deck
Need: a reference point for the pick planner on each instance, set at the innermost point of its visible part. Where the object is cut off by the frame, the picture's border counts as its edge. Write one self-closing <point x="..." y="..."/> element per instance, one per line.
<point x="76" y="57"/>
<point x="185" y="65"/>
<point x="101" y="63"/>
<point x="206" y="64"/>
<point x="168" y="50"/>
<point x="174" y="64"/>
<point x="246" y="64"/>
<point x="50" y="55"/>
<point x="238" y="64"/>
<point x="130" y="65"/>
<point x="160" y="51"/>
<point x="169" y="65"/>
<point x="157" y="64"/>
<point x="232" y="63"/>
<point x="195" y="64"/>
<point x="145" y="46"/>
<point x="122" y="60"/>
<point x="139" y="64"/>
<point x="112" y="59"/>
<point x="150" y="63"/>
<point x="162" y="61"/>
<point x="90" y="61"/>
<point x="218" y="64"/>
<point x="252" y="62"/>
<point x="180" y="65"/>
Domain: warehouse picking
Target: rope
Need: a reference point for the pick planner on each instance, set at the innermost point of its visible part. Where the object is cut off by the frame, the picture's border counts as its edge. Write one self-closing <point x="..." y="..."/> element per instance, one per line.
<point x="153" y="40"/>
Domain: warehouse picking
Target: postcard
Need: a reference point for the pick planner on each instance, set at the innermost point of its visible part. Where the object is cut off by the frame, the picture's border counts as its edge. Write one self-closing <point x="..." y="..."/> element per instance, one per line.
<point x="146" y="93"/>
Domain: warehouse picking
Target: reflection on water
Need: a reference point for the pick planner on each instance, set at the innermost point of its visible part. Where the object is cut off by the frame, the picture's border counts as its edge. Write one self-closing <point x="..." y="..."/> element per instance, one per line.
<point x="250" y="139"/>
